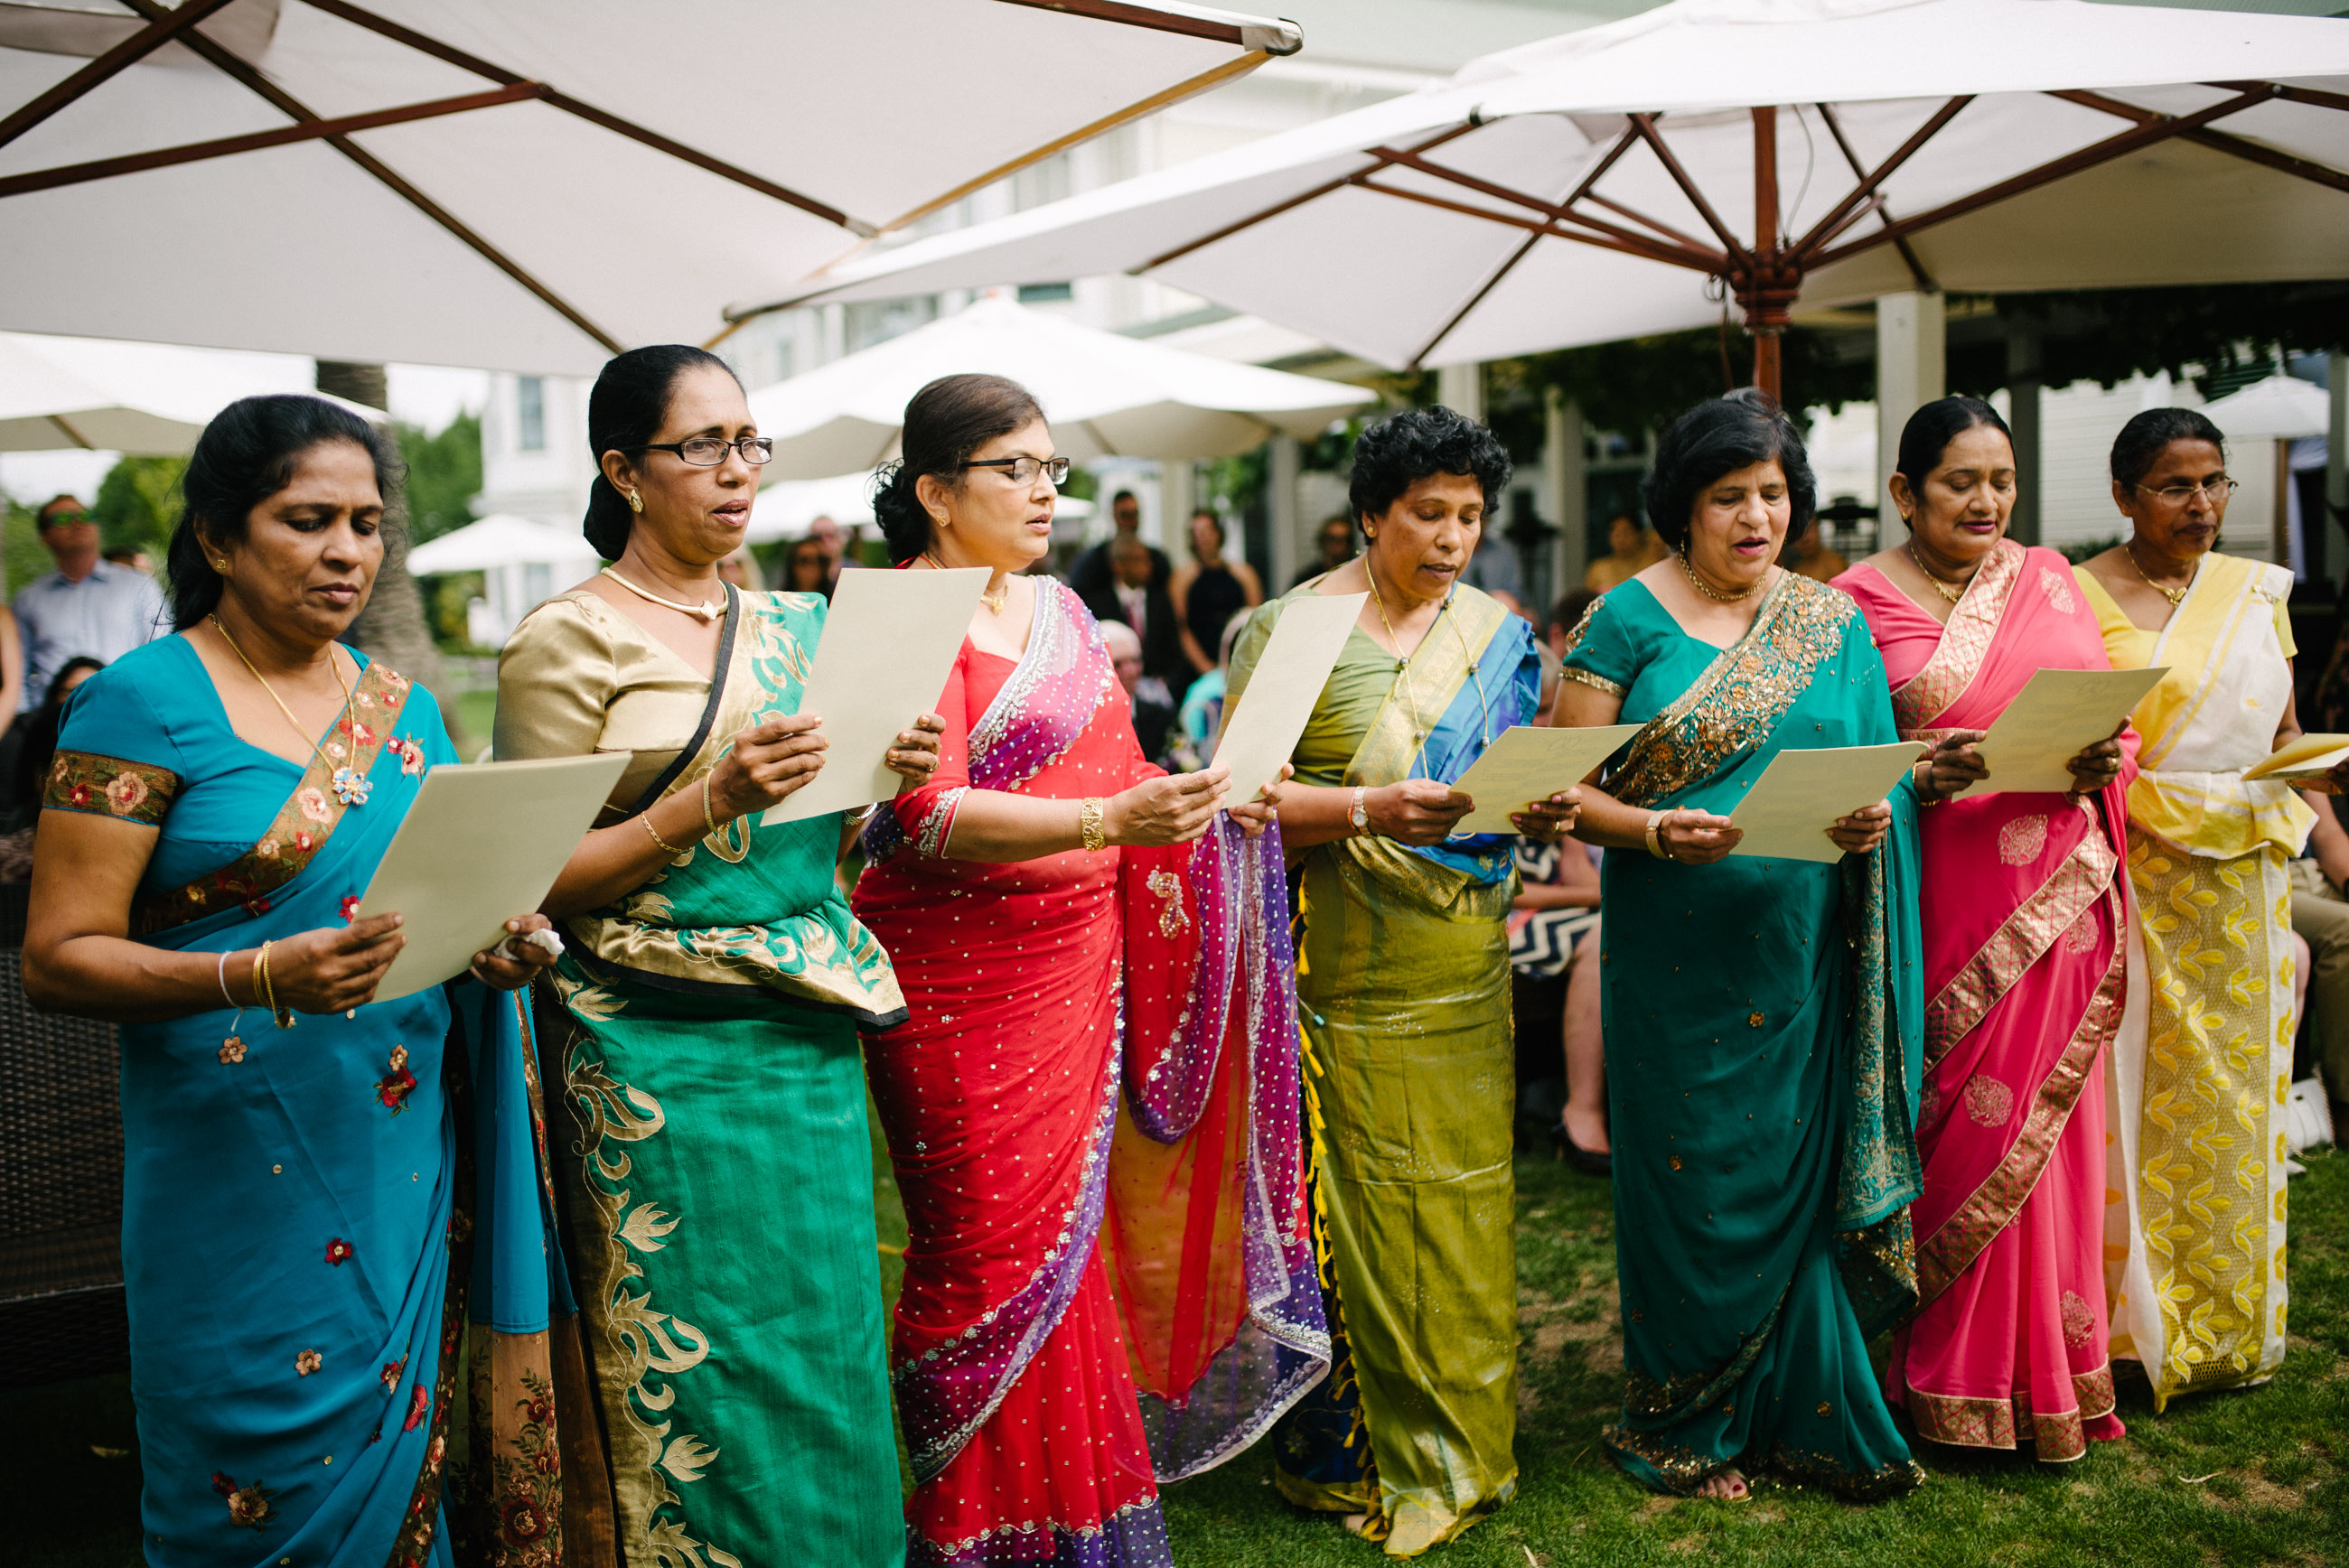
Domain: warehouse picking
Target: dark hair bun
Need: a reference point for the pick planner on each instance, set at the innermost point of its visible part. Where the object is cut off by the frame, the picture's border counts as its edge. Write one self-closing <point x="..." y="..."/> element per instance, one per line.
<point x="624" y="414"/>
<point x="947" y="421"/>
<point x="905" y="526"/>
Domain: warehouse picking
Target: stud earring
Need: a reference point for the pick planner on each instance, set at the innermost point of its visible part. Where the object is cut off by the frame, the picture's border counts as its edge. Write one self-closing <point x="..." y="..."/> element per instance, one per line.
<point x="221" y="566"/>
<point x="635" y="502"/>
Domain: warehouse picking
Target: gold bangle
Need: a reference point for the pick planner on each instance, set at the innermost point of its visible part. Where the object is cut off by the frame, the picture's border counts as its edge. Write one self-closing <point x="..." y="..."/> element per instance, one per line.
<point x="1089" y="825"/>
<point x="669" y="849"/>
<point x="1655" y="843"/>
<point x="282" y="1017"/>
<point x="707" y="815"/>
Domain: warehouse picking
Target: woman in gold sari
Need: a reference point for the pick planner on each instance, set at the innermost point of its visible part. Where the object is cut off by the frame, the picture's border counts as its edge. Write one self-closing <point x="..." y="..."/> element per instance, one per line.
<point x="2194" y="1218"/>
<point x="1402" y="990"/>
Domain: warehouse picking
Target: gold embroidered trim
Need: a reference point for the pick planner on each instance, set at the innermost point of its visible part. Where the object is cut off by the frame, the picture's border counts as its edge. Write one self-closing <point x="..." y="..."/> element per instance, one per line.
<point x="1963" y="1422"/>
<point x="100" y="786"/>
<point x="1965" y="641"/>
<point x="1575" y="673"/>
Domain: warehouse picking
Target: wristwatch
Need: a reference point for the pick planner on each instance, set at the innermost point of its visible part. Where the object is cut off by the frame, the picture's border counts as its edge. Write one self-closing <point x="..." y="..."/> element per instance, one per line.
<point x="1358" y="813"/>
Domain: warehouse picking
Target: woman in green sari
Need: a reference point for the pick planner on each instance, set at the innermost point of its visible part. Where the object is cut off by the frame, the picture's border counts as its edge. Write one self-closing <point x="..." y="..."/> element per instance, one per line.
<point x="1762" y="1016"/>
<point x="717" y="1196"/>
<point x="1402" y="991"/>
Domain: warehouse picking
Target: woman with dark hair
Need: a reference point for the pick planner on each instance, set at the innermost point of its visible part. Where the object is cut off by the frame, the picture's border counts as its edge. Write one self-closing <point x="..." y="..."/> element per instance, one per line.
<point x="2204" y="1052"/>
<point x="711" y="986"/>
<point x="2026" y="961"/>
<point x="1403" y="987"/>
<point x="1108" y="1279"/>
<point x="806" y="570"/>
<point x="219" y="801"/>
<point x="1208" y="590"/>
<point x="1761" y="1014"/>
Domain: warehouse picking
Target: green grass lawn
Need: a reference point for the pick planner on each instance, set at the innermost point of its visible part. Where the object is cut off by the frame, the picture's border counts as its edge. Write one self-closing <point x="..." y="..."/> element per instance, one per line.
<point x="2232" y="1479"/>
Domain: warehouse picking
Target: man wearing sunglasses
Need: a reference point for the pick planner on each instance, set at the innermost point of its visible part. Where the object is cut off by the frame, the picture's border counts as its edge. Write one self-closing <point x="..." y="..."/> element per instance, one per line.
<point x="87" y="608"/>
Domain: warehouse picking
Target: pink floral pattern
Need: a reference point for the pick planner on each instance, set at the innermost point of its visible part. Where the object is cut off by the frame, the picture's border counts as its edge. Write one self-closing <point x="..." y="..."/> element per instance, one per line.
<point x="2022" y="839"/>
<point x="249" y="1506"/>
<point x="1988" y="1101"/>
<point x="108" y="785"/>
<point x="2079" y="1320"/>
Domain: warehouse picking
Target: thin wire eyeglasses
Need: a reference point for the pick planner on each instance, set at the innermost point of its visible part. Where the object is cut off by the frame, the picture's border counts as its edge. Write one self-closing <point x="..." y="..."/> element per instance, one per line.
<point x="709" y="452"/>
<point x="1022" y="471"/>
<point x="2216" y="490"/>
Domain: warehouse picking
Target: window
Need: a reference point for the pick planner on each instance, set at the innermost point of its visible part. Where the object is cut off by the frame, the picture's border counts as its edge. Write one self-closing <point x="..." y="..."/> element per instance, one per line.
<point x="530" y="413"/>
<point x="878" y="321"/>
<point x="1045" y="294"/>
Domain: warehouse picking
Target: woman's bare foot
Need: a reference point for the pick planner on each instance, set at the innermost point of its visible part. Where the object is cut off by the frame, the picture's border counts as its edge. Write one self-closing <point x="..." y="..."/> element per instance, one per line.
<point x="1356" y="1522"/>
<point x="1728" y="1485"/>
<point x="1588" y="1129"/>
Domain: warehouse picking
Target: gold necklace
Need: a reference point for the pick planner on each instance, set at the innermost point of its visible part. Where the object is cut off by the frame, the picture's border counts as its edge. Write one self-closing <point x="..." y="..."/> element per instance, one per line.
<point x="1706" y="588"/>
<point x="308" y="739"/>
<point x="2176" y="596"/>
<point x="1403" y="660"/>
<point x="708" y="612"/>
<point x="995" y="601"/>
<point x="1943" y="589"/>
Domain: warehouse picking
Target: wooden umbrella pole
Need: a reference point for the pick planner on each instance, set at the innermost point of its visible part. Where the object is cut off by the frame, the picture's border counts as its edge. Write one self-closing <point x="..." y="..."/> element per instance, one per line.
<point x="1773" y="277"/>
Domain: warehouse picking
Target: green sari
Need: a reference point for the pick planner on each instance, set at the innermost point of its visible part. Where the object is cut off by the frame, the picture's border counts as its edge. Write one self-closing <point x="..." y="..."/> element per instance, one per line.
<point x="717" y="1204"/>
<point x="1402" y="991"/>
<point x="1762" y="1023"/>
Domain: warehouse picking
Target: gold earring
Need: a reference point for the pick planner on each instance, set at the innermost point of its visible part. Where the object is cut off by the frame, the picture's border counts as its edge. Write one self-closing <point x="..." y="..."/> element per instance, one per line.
<point x="635" y="502"/>
<point x="221" y="566"/>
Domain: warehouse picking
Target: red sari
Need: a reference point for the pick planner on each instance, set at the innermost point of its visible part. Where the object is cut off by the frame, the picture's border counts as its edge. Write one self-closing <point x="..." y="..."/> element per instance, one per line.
<point x="2025" y="971"/>
<point x="1099" y="1047"/>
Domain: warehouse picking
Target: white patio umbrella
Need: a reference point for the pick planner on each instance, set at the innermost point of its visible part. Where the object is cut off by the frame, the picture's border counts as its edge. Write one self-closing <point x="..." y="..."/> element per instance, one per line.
<point x="787" y="509"/>
<point x="54" y="398"/>
<point x="2278" y="409"/>
<point x="498" y="540"/>
<point x="1106" y="395"/>
<point x="534" y="184"/>
<point x="1633" y="177"/>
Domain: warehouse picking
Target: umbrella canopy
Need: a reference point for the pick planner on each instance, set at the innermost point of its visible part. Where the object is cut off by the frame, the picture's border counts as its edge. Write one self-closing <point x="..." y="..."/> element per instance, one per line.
<point x="2280" y="408"/>
<point x="786" y="510"/>
<point x="55" y="399"/>
<point x="1105" y="394"/>
<point x="498" y="540"/>
<point x="1631" y="179"/>
<point x="531" y="185"/>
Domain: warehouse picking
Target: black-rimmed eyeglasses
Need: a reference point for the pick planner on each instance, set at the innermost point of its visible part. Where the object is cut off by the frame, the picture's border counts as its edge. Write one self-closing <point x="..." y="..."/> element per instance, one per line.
<point x="709" y="452"/>
<point x="1022" y="471"/>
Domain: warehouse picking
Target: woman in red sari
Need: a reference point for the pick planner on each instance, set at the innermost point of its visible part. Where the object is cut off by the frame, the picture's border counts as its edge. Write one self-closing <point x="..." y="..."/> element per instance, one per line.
<point x="2024" y="961"/>
<point x="1109" y="1277"/>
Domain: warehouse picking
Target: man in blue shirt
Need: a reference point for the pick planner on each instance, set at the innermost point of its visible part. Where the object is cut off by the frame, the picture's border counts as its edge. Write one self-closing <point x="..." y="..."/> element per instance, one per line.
<point x="87" y="608"/>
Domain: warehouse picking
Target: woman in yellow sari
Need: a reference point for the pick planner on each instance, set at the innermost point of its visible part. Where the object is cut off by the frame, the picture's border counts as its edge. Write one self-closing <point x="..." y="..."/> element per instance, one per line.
<point x="2194" y="1217"/>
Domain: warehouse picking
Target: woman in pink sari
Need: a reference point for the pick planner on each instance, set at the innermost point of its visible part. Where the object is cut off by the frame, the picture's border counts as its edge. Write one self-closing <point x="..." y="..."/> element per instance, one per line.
<point x="2024" y="956"/>
<point x="1093" y="1106"/>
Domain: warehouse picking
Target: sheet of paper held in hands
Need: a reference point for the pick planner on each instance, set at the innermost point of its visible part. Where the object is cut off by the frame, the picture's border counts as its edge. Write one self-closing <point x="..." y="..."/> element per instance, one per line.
<point x="1525" y="764"/>
<point x="1261" y="734"/>
<point x="888" y="647"/>
<point x="1802" y="794"/>
<point x="2310" y="757"/>
<point x="484" y="843"/>
<point x="2056" y="715"/>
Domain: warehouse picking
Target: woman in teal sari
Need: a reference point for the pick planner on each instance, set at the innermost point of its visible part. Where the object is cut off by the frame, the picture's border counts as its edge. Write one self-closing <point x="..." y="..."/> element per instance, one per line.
<point x="1762" y="1016"/>
<point x="306" y="1215"/>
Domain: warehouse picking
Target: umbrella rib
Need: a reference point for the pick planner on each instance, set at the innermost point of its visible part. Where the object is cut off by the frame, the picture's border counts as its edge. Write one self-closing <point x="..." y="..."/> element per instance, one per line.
<point x="425" y="44"/>
<point x="1834" y="222"/>
<point x="1473" y="301"/>
<point x="2219" y="141"/>
<point x="1636" y="245"/>
<point x="1646" y="126"/>
<point x="161" y="28"/>
<point x="245" y="74"/>
<point x="1549" y="209"/>
<point x="1623" y="144"/>
<point x="284" y="136"/>
<point x="2047" y="174"/>
<point x="1883" y="211"/>
<point x="79" y="439"/>
<point x="1245" y="34"/>
<point x="2315" y="97"/>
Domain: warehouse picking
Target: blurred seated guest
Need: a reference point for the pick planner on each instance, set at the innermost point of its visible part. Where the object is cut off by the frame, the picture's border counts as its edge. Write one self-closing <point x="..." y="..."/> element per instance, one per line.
<point x="741" y="569"/>
<point x="1093" y="571"/>
<point x="1154" y="706"/>
<point x="1565" y="616"/>
<point x="1493" y="569"/>
<point x="836" y="547"/>
<point x="1333" y="546"/>
<point x="1633" y="548"/>
<point x="1209" y="591"/>
<point x="805" y="570"/>
<point x="2320" y="919"/>
<point x="1811" y="555"/>
<point x="136" y="558"/>
<point x="220" y="799"/>
<point x="33" y="747"/>
<point x="87" y="608"/>
<point x="1137" y="594"/>
<point x="1199" y="723"/>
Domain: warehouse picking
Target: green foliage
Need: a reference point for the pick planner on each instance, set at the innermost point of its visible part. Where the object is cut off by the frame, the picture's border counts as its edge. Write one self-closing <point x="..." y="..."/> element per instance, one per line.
<point x="138" y="504"/>
<point x="444" y="475"/>
<point x="21" y="551"/>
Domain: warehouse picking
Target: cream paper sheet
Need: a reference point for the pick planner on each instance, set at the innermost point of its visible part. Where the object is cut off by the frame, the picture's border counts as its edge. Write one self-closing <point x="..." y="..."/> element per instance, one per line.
<point x="1525" y="764"/>
<point x="887" y="651"/>
<point x="482" y="843"/>
<point x="1261" y="733"/>
<point x="1802" y="794"/>
<point x="2310" y="757"/>
<point x="2051" y="719"/>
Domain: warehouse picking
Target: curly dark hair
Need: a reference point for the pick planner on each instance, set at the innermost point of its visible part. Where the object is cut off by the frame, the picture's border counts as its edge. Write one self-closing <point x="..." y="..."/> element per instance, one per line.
<point x="1721" y="436"/>
<point x="2142" y="440"/>
<point x="1403" y="448"/>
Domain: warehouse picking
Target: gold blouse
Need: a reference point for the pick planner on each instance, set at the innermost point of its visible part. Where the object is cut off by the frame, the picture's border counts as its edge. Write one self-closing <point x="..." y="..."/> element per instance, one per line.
<point x="578" y="676"/>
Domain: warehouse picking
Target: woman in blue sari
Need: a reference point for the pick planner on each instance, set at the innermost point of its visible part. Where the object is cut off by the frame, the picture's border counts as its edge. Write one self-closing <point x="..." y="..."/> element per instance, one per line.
<point x="1762" y="1014"/>
<point x="305" y="1208"/>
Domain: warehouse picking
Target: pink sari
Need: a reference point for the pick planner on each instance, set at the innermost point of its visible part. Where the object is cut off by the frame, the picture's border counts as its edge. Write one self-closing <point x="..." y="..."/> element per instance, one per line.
<point x="2025" y="978"/>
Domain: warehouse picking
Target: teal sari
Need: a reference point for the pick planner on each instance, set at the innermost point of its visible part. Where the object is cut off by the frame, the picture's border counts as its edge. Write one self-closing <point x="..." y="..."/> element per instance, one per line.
<point x="308" y="1215"/>
<point x="1763" y="1052"/>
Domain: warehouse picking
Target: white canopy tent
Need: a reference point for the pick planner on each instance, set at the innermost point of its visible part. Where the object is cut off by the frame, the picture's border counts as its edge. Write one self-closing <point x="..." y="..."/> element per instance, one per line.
<point x="2278" y="409"/>
<point x="57" y="396"/>
<point x="1634" y="178"/>
<point x="1105" y="394"/>
<point x="531" y="185"/>
<point x="498" y="541"/>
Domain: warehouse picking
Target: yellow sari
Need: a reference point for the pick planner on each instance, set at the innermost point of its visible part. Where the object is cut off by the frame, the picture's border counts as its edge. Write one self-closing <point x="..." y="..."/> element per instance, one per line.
<point x="2194" y="1217"/>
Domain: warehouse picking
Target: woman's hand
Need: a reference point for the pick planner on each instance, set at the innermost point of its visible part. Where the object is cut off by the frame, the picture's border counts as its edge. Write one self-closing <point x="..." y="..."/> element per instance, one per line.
<point x="1547" y="822"/>
<point x="766" y="762"/>
<point x="334" y="968"/>
<point x="1863" y="830"/>
<point x="916" y="756"/>
<point x="1416" y="811"/>
<point x="1254" y="815"/>
<point x="503" y="973"/>
<point x="1696" y="837"/>
<point x="1954" y="766"/>
<point x="2097" y="765"/>
<point x="1174" y="810"/>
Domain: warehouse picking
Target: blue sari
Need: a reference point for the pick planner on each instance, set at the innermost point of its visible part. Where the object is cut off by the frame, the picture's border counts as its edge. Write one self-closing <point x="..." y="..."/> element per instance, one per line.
<point x="303" y="1210"/>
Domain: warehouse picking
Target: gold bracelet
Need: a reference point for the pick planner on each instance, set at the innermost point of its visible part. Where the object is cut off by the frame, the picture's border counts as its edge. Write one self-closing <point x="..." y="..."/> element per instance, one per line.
<point x="282" y="1017"/>
<point x="1656" y="846"/>
<point x="1089" y="825"/>
<point x="671" y="849"/>
<point x="707" y="815"/>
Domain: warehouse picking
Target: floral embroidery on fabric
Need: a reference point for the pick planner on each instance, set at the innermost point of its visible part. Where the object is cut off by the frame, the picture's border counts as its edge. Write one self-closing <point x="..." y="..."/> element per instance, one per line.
<point x="2079" y="1319"/>
<point x="307" y="1362"/>
<point x="1988" y="1101"/>
<point x="339" y="1252"/>
<point x="249" y="1506"/>
<point x="313" y="802"/>
<point x="420" y="1402"/>
<point x="109" y="787"/>
<point x="411" y="757"/>
<point x="2082" y="935"/>
<point x="2021" y="838"/>
<point x="2058" y="590"/>
<point x="1172" y="920"/>
<point x="394" y="1088"/>
<point x="232" y="1051"/>
<point x="350" y="907"/>
<point x="391" y="1374"/>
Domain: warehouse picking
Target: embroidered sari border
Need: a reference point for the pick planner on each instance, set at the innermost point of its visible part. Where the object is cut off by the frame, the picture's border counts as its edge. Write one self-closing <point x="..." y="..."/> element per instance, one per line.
<point x="1965" y="642"/>
<point x="2009" y="952"/>
<point x="1434" y="677"/>
<point x="100" y="786"/>
<point x="1965" y="1421"/>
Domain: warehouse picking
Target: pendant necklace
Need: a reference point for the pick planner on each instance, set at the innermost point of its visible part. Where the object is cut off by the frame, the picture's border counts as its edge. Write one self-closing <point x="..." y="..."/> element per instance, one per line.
<point x="1708" y="589"/>
<point x="708" y="612"/>
<point x="2176" y="596"/>
<point x="1943" y="589"/>
<point x="350" y="788"/>
<point x="1403" y="661"/>
<point x="995" y="601"/>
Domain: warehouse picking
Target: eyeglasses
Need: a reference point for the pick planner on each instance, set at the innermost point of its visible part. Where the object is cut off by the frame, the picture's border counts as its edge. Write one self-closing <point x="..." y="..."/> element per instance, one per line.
<point x="2216" y="490"/>
<point x="709" y="452"/>
<point x="1022" y="471"/>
